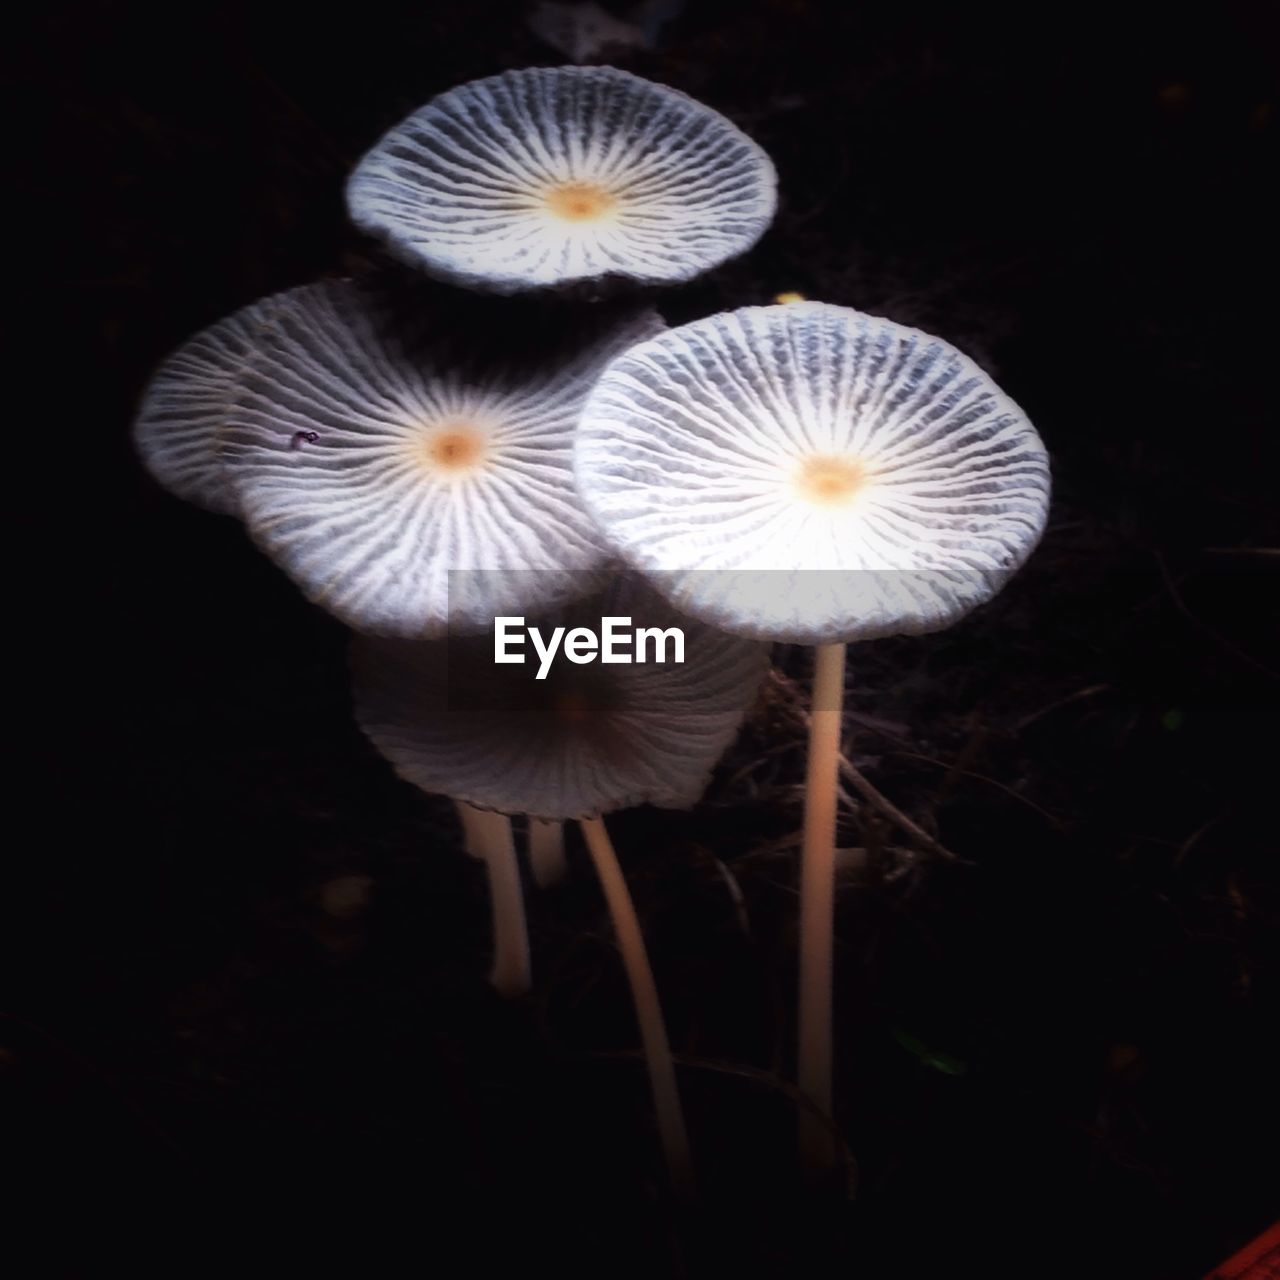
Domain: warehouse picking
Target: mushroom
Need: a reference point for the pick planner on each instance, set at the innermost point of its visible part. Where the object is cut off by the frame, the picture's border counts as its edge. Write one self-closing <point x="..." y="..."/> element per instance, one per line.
<point x="587" y="739"/>
<point x="552" y="175"/>
<point x="812" y="474"/>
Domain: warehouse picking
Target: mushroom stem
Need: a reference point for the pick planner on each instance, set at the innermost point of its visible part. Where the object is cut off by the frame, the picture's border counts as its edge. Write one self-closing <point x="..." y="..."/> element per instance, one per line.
<point x="488" y="838"/>
<point x="817" y="909"/>
<point x="546" y="851"/>
<point x="653" y="1031"/>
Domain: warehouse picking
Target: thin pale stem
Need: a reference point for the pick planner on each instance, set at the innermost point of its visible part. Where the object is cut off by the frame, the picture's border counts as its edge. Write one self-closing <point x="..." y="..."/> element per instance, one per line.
<point x="546" y="851"/>
<point x="653" y="1031"/>
<point x="817" y="909"/>
<point x="872" y="795"/>
<point x="488" y="838"/>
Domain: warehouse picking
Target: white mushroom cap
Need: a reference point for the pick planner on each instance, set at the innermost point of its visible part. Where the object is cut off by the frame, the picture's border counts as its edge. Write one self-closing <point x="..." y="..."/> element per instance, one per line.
<point x="812" y="474"/>
<point x="379" y="448"/>
<point x="586" y="740"/>
<point x="556" y="174"/>
<point x="187" y="401"/>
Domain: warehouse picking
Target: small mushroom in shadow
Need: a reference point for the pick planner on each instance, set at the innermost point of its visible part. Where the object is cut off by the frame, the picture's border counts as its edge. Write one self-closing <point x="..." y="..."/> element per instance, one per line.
<point x="550" y="175"/>
<point x="812" y="474"/>
<point x="585" y="740"/>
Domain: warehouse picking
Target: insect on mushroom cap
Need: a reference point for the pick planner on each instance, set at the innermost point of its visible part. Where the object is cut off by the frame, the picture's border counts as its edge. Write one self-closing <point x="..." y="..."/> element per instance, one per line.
<point x="810" y="473"/>
<point x="586" y="740"/>
<point x="550" y="175"/>
<point x="383" y="444"/>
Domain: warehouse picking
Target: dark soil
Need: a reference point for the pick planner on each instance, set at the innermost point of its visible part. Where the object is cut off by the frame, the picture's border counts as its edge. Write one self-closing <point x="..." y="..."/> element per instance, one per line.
<point x="247" y="997"/>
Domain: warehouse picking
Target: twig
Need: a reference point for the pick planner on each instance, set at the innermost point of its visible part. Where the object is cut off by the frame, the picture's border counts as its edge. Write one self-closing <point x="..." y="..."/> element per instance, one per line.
<point x="868" y="791"/>
<point x="1194" y="838"/>
<point x="1080" y="695"/>
<point x="1055" y="823"/>
<point x="1181" y="605"/>
<point x="734" y="889"/>
<point x="764" y="1079"/>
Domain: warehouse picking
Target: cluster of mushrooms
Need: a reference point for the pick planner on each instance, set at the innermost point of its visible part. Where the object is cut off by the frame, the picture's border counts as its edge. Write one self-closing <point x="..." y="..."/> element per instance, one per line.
<point x="799" y="472"/>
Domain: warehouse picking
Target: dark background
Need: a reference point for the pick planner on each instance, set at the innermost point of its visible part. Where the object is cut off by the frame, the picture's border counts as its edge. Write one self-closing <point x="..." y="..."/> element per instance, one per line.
<point x="246" y="991"/>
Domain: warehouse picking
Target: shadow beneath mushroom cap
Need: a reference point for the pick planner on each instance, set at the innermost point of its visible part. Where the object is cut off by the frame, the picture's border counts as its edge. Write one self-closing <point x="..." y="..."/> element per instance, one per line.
<point x="483" y="334"/>
<point x="612" y="701"/>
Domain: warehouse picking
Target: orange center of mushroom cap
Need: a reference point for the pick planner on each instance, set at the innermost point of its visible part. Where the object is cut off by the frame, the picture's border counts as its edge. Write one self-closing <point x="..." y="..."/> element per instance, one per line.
<point x="571" y="709"/>
<point x="831" y="481"/>
<point x="580" y="201"/>
<point x="455" y="448"/>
